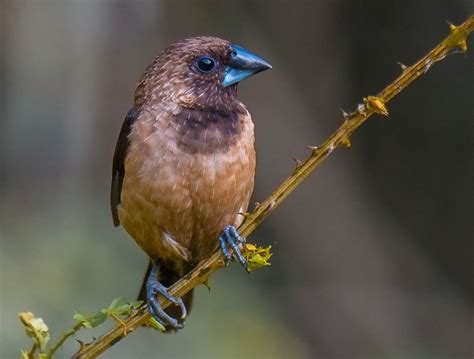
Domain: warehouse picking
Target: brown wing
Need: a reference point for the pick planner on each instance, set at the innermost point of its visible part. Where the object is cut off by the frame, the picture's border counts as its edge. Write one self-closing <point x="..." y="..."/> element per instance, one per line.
<point x="118" y="166"/>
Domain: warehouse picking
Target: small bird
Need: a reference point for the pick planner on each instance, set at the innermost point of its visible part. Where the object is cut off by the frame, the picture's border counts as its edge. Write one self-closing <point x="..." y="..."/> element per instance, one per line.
<point x="184" y="164"/>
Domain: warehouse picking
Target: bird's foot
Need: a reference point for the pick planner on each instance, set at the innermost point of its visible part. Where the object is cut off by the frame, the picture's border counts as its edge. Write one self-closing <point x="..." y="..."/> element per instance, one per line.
<point x="154" y="287"/>
<point x="230" y="237"/>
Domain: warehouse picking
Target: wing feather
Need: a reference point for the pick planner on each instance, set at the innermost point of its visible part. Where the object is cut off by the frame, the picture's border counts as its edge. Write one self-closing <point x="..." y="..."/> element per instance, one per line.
<point x="118" y="166"/>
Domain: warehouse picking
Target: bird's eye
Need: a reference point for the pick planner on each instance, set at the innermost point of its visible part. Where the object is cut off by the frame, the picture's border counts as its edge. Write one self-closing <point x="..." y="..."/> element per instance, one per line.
<point x="206" y="64"/>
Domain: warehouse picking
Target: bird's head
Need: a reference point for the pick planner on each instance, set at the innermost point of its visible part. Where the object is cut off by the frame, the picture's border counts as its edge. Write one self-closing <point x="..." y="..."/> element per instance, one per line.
<point x="200" y="72"/>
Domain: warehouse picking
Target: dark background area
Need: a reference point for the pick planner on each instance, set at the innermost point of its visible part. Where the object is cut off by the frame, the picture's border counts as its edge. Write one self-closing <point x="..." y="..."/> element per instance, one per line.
<point x="373" y="254"/>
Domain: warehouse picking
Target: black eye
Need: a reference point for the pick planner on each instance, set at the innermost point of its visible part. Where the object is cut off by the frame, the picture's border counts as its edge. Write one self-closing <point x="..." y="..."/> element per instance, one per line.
<point x="206" y="64"/>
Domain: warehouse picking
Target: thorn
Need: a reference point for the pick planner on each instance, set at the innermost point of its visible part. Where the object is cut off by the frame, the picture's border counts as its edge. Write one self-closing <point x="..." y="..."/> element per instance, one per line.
<point x="376" y="104"/>
<point x="207" y="284"/>
<point x="452" y="27"/>
<point x="256" y="204"/>
<point x="346" y="141"/>
<point x="344" y="114"/>
<point x="461" y="44"/>
<point x="81" y="344"/>
<point x="312" y="148"/>
<point x="224" y="263"/>
<point x="403" y="66"/>
<point x="298" y="162"/>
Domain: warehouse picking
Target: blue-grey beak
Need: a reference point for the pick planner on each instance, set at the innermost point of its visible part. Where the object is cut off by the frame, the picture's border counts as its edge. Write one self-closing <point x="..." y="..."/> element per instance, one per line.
<point x="242" y="65"/>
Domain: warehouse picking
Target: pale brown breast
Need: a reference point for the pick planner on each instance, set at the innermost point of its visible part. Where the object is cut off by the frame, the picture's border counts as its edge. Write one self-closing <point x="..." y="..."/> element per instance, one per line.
<point x="176" y="199"/>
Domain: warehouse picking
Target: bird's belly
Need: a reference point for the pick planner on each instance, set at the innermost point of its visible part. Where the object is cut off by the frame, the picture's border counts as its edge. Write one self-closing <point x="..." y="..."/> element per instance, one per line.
<point x="176" y="205"/>
<point x="220" y="196"/>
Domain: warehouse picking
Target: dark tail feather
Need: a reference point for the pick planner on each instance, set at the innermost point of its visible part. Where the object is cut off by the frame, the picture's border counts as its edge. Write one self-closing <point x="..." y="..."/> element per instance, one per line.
<point x="167" y="277"/>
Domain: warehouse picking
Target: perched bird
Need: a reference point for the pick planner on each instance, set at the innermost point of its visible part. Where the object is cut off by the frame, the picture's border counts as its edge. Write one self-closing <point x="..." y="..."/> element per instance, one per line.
<point x="184" y="164"/>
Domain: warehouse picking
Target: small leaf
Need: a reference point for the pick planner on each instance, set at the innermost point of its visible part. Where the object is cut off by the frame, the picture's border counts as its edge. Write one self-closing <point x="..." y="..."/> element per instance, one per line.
<point x="116" y="303"/>
<point x="91" y="321"/>
<point x="124" y="309"/>
<point x="98" y="318"/>
<point x="120" y="307"/>
<point x="24" y="355"/>
<point x="136" y="304"/>
<point x="153" y="323"/>
<point x="79" y="317"/>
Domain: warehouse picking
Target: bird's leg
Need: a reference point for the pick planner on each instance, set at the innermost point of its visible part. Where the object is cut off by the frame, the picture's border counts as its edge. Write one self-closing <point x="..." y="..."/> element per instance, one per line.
<point x="230" y="237"/>
<point x="154" y="287"/>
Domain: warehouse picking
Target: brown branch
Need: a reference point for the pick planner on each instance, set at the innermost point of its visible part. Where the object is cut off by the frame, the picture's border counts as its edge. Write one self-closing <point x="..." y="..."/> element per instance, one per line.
<point x="456" y="40"/>
<point x="64" y="336"/>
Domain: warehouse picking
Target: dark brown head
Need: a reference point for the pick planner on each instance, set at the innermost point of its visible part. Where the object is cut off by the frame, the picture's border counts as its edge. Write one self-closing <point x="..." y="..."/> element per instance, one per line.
<point x="198" y="73"/>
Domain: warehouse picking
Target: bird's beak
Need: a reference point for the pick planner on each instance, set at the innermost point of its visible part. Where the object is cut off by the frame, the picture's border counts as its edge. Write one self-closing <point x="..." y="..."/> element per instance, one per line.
<point x="242" y="65"/>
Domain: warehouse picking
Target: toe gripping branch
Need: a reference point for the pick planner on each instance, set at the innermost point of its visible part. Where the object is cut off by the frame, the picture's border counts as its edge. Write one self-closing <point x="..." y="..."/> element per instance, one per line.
<point x="154" y="287"/>
<point x="230" y="237"/>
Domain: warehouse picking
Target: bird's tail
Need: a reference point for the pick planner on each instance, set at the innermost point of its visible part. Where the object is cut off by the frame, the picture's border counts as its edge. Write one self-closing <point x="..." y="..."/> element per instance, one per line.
<point x="167" y="277"/>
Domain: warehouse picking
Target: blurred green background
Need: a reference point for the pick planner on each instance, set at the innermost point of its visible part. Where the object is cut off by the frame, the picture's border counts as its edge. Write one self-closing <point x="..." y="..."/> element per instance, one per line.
<point x="373" y="254"/>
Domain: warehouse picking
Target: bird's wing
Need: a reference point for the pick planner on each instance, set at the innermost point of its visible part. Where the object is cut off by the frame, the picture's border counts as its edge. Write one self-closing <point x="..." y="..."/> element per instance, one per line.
<point x="118" y="166"/>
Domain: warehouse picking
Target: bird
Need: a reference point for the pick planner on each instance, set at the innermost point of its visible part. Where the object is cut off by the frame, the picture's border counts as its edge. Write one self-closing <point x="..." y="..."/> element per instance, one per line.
<point x="184" y="164"/>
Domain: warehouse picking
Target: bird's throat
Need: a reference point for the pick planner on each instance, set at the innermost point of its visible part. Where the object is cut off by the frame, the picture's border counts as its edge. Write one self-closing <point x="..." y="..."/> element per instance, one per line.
<point x="200" y="131"/>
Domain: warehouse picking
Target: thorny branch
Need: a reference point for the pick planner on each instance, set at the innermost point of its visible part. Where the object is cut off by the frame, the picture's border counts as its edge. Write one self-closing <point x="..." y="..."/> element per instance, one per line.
<point x="454" y="42"/>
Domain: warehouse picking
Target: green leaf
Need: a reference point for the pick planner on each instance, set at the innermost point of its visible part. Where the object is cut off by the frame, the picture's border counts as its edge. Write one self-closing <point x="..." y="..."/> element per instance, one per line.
<point x="91" y="321"/>
<point x="136" y="304"/>
<point x="152" y="322"/>
<point x="124" y="309"/>
<point x="98" y="318"/>
<point x="80" y="317"/>
<point x="116" y="303"/>
<point x="120" y="307"/>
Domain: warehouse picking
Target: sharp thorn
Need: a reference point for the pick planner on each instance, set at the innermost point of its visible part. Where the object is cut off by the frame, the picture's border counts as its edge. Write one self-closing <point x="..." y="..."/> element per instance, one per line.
<point x="298" y="162"/>
<point x="344" y="114"/>
<point x="452" y="27"/>
<point x="403" y="66"/>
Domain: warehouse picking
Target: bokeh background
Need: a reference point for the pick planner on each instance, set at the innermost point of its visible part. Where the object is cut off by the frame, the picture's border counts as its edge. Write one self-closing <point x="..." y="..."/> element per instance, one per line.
<point x="373" y="254"/>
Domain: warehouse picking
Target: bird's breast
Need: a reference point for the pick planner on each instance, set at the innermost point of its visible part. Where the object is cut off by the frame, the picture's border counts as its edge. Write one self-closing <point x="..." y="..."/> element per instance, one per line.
<point x="184" y="181"/>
